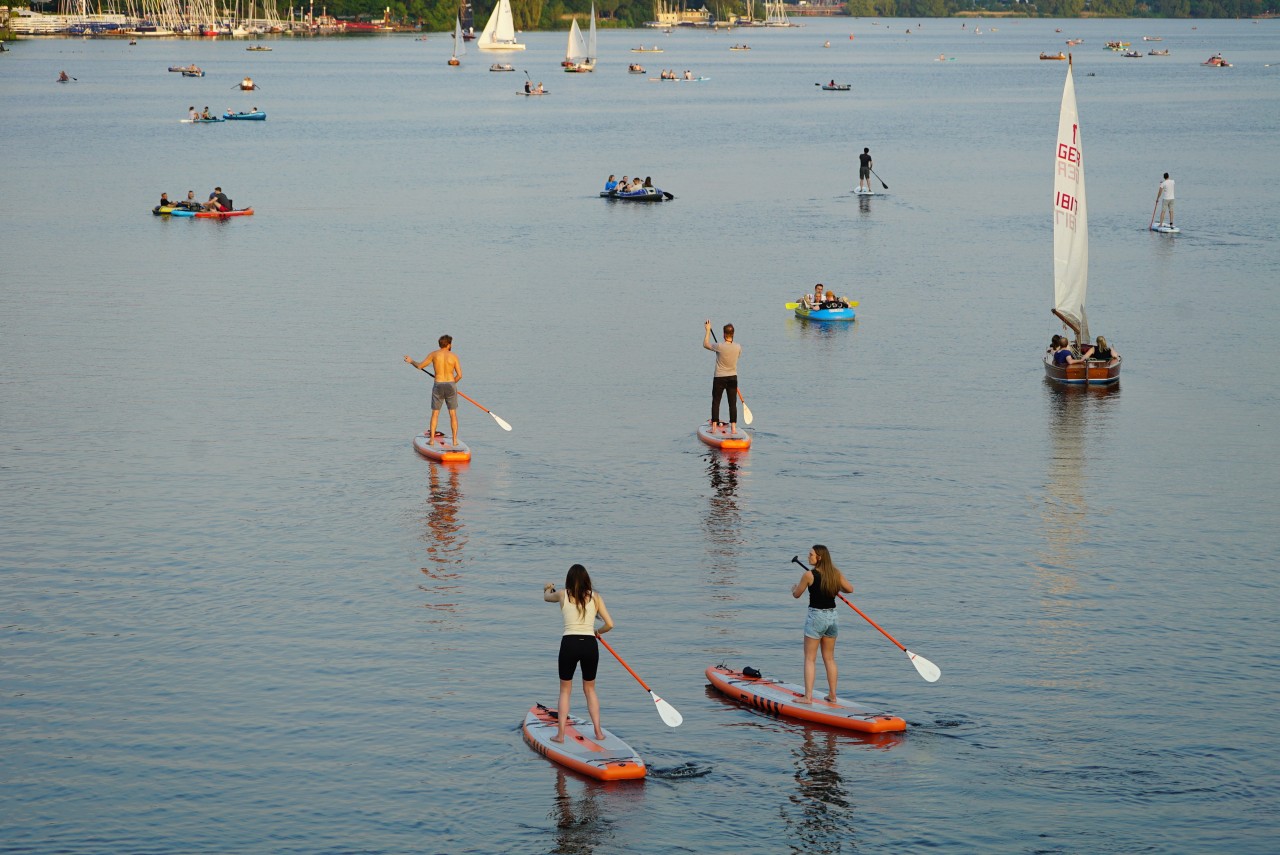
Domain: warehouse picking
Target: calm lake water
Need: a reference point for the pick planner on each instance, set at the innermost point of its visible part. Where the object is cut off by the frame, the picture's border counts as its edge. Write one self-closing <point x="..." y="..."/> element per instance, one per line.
<point x="241" y="615"/>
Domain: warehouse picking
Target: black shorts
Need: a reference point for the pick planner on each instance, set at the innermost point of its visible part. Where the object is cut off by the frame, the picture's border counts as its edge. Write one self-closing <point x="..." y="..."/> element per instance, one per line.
<point x="575" y="649"/>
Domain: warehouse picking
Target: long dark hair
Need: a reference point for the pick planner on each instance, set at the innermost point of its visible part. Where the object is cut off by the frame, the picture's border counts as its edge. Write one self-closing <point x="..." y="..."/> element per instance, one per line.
<point x="828" y="573"/>
<point x="577" y="586"/>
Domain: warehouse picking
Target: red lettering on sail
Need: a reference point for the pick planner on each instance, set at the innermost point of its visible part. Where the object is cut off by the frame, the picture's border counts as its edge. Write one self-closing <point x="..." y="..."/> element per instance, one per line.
<point x="1066" y="202"/>
<point x="1069" y="153"/>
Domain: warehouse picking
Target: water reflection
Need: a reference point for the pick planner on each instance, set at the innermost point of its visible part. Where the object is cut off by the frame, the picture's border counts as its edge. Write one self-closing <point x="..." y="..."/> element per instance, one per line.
<point x="445" y="537"/>
<point x="820" y="814"/>
<point x="803" y="328"/>
<point x="1078" y="421"/>
<point x="722" y="527"/>
<point x="584" y="824"/>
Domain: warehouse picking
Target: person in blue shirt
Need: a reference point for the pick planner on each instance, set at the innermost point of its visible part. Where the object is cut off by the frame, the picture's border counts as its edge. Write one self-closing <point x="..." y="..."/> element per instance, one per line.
<point x="1062" y="356"/>
<point x="610" y="185"/>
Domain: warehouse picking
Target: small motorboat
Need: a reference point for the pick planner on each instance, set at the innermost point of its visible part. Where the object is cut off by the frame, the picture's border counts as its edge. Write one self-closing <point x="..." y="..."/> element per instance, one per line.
<point x="254" y="115"/>
<point x="1216" y="61"/>
<point x="1152" y="39"/>
<point x="1154" y="52"/>
<point x="1058" y="55"/>
<point x="502" y="66"/>
<point x="835" y="87"/>
<point x="1133" y="54"/>
<point x="1074" y="42"/>
<point x="643" y="194"/>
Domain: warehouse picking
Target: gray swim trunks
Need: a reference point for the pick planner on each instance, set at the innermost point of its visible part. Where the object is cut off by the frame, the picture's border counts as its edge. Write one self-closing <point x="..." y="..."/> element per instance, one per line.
<point x="444" y="393"/>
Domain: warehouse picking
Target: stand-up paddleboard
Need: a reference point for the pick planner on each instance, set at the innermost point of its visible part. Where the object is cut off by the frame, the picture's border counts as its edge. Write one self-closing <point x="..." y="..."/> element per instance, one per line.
<point x="858" y="191"/>
<point x="780" y="698"/>
<point x="441" y="450"/>
<point x="609" y="759"/>
<point x="1167" y="230"/>
<point x="719" y="436"/>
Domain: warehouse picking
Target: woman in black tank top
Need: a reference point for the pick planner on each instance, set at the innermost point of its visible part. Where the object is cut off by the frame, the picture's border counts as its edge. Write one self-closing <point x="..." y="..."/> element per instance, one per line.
<point x="822" y="582"/>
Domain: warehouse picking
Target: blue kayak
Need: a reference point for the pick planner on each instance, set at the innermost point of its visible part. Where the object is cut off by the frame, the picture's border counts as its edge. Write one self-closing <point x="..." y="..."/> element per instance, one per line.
<point x="845" y="314"/>
<point x="252" y="115"/>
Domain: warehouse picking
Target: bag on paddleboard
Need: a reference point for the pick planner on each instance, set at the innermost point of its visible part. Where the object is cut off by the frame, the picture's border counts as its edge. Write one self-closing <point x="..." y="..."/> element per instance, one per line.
<point x="751" y="673"/>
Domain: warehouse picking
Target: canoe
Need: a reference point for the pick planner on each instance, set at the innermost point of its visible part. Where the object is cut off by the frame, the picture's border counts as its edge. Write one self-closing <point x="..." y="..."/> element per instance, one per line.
<point x="440" y="450"/>
<point x="825" y="314"/>
<point x="718" y="436"/>
<point x="608" y="759"/>
<point x="644" y="194"/>
<point x="252" y="115"/>
<point x="839" y="87"/>
<point x="779" y="698"/>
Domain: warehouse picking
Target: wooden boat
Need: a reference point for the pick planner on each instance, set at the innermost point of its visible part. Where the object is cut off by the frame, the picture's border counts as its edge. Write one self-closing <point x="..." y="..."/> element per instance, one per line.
<point x="1071" y="250"/>
<point x="500" y="32"/>
<point x="247" y="85"/>
<point x="1058" y="55"/>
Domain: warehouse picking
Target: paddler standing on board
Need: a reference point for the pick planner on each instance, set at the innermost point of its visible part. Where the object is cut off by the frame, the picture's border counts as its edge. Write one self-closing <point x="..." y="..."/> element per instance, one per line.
<point x="726" y="376"/>
<point x="448" y="372"/>
<point x="822" y="582"/>
<point x="579" y="607"/>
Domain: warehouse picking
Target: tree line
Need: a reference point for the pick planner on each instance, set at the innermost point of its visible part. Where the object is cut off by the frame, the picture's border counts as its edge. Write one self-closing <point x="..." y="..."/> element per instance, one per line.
<point x="438" y="15"/>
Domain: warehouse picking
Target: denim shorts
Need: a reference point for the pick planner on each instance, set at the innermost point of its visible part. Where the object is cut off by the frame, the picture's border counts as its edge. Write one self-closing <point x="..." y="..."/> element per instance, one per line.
<point x="821" y="623"/>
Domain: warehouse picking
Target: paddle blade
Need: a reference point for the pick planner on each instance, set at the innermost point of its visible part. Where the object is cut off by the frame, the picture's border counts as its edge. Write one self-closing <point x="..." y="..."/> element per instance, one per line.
<point x="853" y="304"/>
<point x="501" y="422"/>
<point x="746" y="413"/>
<point x="926" y="668"/>
<point x="790" y="305"/>
<point x="670" y="715"/>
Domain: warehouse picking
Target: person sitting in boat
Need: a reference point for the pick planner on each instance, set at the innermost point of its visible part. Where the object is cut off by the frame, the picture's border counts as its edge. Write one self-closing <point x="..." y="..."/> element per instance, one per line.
<point x="814" y="300"/>
<point x="218" y="201"/>
<point x="1102" y="352"/>
<point x="1062" y="357"/>
<point x="688" y="75"/>
<point x="648" y="183"/>
<point x="164" y="201"/>
<point x="192" y="113"/>
<point x="528" y="87"/>
<point x="248" y="83"/>
<point x="539" y="89"/>
<point x="610" y="185"/>
<point x="191" y="202"/>
<point x="832" y="84"/>
<point x="206" y="114"/>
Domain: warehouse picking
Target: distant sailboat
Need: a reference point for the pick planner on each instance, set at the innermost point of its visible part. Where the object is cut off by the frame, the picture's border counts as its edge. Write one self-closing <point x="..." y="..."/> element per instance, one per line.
<point x="459" y="46"/>
<point x="581" y="55"/>
<point x="1071" y="250"/>
<point x="500" y="32"/>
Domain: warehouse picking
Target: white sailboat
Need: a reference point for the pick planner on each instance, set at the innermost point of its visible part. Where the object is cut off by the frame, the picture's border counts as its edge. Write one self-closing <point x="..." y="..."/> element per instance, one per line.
<point x="580" y="55"/>
<point x="500" y="32"/>
<point x="459" y="46"/>
<point x="1071" y="249"/>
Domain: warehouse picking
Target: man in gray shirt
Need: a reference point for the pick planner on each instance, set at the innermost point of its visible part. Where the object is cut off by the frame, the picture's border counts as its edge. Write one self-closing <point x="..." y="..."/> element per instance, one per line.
<point x="726" y="376"/>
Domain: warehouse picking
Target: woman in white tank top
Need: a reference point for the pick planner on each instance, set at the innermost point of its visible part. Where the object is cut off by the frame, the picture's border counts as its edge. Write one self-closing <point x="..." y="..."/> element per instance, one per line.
<point x="579" y="608"/>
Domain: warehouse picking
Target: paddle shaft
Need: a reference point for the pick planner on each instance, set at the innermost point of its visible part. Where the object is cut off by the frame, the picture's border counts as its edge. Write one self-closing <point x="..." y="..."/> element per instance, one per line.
<point x="878" y="178"/>
<point x="859" y="611"/>
<point x="463" y="394"/>
<point x="1156" y="208"/>
<point x="623" y="663"/>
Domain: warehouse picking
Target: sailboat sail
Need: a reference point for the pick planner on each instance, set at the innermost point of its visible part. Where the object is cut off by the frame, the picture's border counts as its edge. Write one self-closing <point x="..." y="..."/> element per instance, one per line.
<point x="500" y="32"/>
<point x="1070" y="219"/>
<point x="577" y="48"/>
<point x="591" y="39"/>
<point x="459" y="46"/>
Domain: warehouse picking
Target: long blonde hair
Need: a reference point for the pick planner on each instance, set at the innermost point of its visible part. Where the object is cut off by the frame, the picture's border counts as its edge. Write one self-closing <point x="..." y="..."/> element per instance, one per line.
<point x="828" y="574"/>
<point x="577" y="587"/>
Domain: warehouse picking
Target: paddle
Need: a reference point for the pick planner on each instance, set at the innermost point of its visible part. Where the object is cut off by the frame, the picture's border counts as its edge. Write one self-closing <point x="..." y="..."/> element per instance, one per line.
<point x="878" y="178"/>
<point x="668" y="196"/>
<point x="501" y="423"/>
<point x="746" y="411"/>
<point x="670" y="715"/>
<point x="1153" y="210"/>
<point x="927" y="669"/>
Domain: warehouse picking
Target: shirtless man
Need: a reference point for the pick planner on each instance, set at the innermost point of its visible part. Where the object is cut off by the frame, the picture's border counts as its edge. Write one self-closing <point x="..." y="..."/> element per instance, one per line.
<point x="447" y="371"/>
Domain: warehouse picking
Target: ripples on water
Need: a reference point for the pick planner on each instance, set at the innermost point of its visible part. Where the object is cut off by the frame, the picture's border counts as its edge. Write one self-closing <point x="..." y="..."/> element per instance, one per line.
<point x="242" y="615"/>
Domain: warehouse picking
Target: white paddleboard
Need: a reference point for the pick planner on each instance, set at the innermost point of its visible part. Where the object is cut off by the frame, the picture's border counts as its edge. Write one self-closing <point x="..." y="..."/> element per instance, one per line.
<point x="608" y="759"/>
<point x="860" y="192"/>
<point x="1167" y="230"/>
